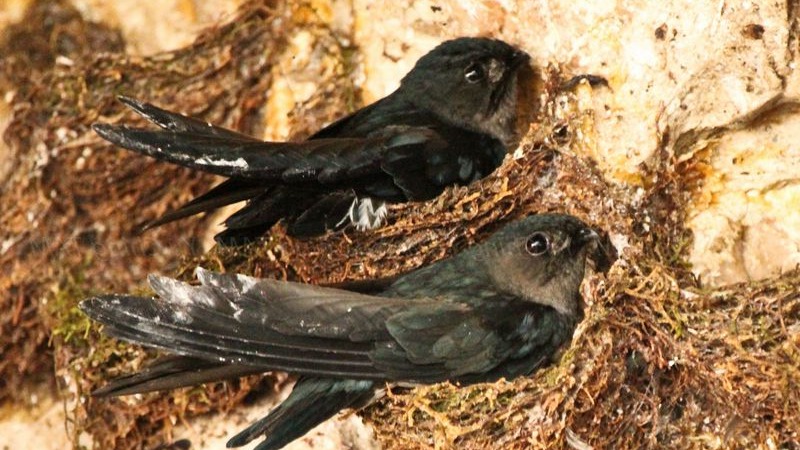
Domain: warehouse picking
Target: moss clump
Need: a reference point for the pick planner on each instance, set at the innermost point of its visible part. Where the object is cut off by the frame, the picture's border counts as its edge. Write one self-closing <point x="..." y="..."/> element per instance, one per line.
<point x="70" y="325"/>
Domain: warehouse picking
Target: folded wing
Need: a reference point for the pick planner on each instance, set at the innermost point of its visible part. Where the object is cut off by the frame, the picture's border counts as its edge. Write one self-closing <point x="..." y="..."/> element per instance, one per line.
<point x="389" y="151"/>
<point x="199" y="145"/>
<point x="306" y="329"/>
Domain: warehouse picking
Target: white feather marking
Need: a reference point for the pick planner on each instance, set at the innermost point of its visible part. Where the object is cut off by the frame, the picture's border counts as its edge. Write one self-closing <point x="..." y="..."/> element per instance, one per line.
<point x="206" y="160"/>
<point x="247" y="282"/>
<point x="182" y="316"/>
<point x="175" y="290"/>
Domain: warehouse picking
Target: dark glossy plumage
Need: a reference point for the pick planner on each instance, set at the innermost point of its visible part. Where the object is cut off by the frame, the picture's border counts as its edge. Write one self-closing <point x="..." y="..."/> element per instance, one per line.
<point x="448" y="123"/>
<point x="499" y="309"/>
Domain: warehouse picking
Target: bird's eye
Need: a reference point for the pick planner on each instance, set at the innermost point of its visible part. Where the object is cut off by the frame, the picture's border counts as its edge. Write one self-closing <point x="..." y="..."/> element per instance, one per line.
<point x="474" y="73"/>
<point x="538" y="244"/>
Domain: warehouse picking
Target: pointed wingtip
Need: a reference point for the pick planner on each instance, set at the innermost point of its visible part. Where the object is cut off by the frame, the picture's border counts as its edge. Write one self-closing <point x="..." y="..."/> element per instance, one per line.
<point x="147" y="225"/>
<point x="87" y="305"/>
<point x="250" y="433"/>
<point x="131" y="102"/>
<point x="92" y="305"/>
<point x="105" y="130"/>
<point x="115" y="134"/>
<point x="116" y="387"/>
<point x="104" y="391"/>
<point x="139" y="229"/>
<point x="147" y="110"/>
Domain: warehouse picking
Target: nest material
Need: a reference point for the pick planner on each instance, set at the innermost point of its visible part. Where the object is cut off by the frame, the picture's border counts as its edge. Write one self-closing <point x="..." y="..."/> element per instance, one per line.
<point x="652" y="366"/>
<point x="656" y="362"/>
<point x="74" y="204"/>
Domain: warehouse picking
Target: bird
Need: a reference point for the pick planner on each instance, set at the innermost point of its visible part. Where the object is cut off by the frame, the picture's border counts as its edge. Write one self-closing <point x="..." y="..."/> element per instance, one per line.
<point x="498" y="309"/>
<point x="450" y="122"/>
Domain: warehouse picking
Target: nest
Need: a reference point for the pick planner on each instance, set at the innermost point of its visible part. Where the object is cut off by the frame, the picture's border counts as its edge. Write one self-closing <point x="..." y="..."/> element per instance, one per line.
<point x="657" y="361"/>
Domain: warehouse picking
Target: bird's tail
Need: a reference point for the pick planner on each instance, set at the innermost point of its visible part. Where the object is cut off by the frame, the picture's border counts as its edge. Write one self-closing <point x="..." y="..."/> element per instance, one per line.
<point x="312" y="401"/>
<point x="173" y="372"/>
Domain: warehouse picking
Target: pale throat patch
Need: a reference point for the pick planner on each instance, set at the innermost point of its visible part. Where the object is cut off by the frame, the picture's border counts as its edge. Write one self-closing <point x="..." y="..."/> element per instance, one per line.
<point x="365" y="214"/>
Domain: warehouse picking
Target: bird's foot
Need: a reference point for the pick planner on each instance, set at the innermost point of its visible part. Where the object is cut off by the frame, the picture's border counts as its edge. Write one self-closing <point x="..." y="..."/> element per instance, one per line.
<point x="366" y="214"/>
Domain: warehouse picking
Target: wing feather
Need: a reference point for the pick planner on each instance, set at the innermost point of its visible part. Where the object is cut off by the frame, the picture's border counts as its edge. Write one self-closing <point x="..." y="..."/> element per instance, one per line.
<point x="326" y="161"/>
<point x="326" y="332"/>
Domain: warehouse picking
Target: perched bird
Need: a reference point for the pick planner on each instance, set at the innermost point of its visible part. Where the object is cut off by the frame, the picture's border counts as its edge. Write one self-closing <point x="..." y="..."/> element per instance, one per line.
<point x="498" y="309"/>
<point x="449" y="122"/>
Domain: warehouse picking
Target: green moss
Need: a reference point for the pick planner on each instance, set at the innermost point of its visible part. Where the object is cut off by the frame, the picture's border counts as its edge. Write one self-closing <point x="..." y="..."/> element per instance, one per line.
<point x="72" y="328"/>
<point x="70" y="325"/>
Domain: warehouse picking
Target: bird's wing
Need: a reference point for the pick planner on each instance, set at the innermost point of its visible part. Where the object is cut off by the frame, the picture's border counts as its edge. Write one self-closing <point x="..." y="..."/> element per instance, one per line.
<point x="431" y="344"/>
<point x="420" y="153"/>
<point x="169" y="120"/>
<point x="375" y="117"/>
<point x="325" y="161"/>
<point x="266" y="323"/>
<point x="306" y="329"/>
<point x="496" y="336"/>
<point x="423" y="172"/>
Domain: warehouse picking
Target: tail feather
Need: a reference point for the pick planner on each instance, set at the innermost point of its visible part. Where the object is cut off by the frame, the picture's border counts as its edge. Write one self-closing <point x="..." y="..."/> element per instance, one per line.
<point x="262" y="212"/>
<point x="267" y="208"/>
<point x="227" y="193"/>
<point x="312" y="401"/>
<point x="329" y="213"/>
<point x="326" y="161"/>
<point x="241" y="236"/>
<point x="174" y="372"/>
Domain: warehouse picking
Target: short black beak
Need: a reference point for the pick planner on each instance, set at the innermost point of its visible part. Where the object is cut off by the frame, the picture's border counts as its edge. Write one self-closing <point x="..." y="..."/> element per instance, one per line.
<point x="518" y="58"/>
<point x="602" y="252"/>
<point x="588" y="234"/>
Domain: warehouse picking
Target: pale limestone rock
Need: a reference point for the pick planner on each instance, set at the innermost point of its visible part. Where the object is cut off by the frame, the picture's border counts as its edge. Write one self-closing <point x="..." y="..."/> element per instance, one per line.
<point x="155" y="26"/>
<point x="5" y="152"/>
<point x="37" y="425"/>
<point x="746" y="216"/>
<point x="12" y="11"/>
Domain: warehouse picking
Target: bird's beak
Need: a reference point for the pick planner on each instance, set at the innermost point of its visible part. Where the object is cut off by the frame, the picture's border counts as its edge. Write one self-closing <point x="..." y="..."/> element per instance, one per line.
<point x="601" y="253"/>
<point x="518" y="58"/>
<point x="587" y="235"/>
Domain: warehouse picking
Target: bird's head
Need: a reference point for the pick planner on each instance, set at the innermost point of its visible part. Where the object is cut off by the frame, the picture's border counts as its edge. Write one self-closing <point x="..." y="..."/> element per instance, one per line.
<point x="469" y="82"/>
<point x="541" y="259"/>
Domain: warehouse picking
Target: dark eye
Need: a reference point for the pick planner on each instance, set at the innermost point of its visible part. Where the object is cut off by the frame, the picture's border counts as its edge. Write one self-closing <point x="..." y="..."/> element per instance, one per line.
<point x="474" y="73"/>
<point x="538" y="244"/>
